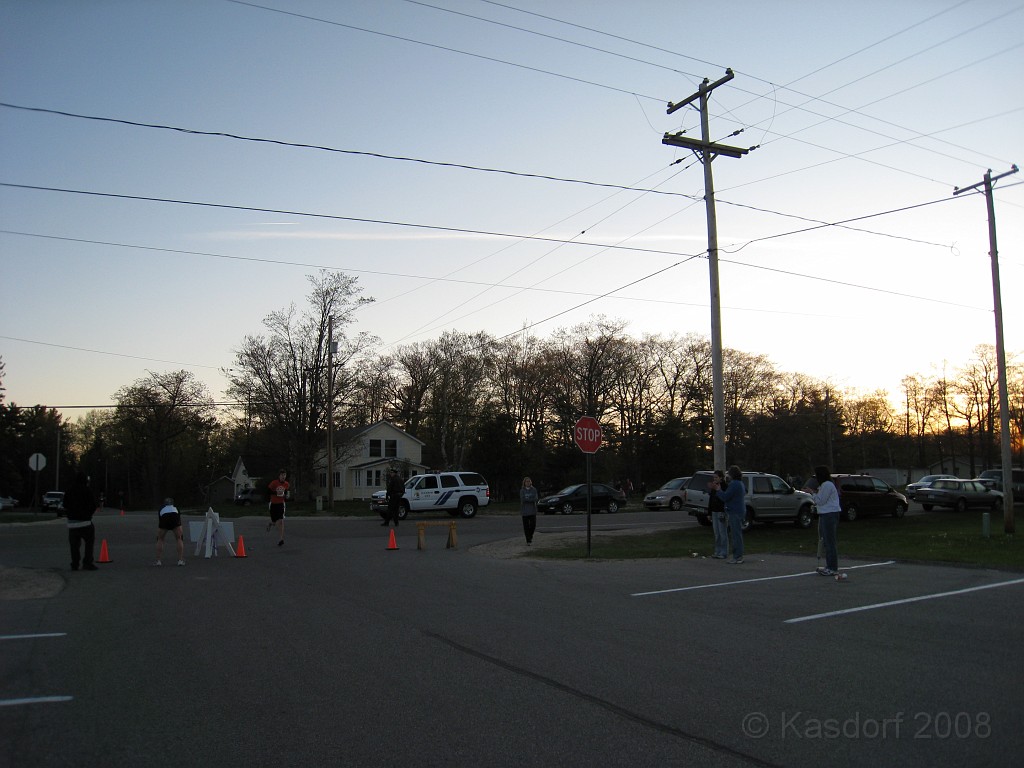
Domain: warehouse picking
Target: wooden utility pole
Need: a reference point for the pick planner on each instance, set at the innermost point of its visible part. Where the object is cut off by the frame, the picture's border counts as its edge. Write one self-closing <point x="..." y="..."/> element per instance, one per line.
<point x="330" y="414"/>
<point x="707" y="151"/>
<point x="1006" y="451"/>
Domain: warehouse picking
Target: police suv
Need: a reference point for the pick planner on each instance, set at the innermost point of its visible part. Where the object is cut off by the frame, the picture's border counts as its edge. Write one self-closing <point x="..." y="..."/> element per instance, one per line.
<point x="457" y="493"/>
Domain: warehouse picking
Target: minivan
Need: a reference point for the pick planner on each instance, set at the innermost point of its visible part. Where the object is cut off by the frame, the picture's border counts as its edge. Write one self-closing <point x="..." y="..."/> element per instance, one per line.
<point x="863" y="495"/>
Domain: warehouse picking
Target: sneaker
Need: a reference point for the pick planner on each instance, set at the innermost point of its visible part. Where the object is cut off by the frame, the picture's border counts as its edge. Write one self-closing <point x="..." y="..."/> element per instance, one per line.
<point x="826" y="572"/>
<point x="157" y="563"/>
<point x="718" y="557"/>
<point x="736" y="561"/>
<point x="181" y="562"/>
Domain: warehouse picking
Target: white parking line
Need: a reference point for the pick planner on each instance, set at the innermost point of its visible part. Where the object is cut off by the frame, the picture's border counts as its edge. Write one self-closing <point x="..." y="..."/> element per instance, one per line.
<point x="33" y="637"/>
<point x="751" y="581"/>
<point x="936" y="596"/>
<point x="36" y="700"/>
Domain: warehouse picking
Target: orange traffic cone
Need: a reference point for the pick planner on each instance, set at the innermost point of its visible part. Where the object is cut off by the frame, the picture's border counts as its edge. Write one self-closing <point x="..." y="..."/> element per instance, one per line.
<point x="240" y="551"/>
<point x="392" y="544"/>
<point x="104" y="554"/>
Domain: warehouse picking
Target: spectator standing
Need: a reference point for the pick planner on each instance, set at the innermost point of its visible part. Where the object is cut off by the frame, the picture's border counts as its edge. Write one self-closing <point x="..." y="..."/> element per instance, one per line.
<point x="278" y="498"/>
<point x="734" y="497"/>
<point x="826" y="499"/>
<point x="716" y="509"/>
<point x="528" y="496"/>
<point x="396" y="490"/>
<point x="80" y="506"/>
<point x="169" y="519"/>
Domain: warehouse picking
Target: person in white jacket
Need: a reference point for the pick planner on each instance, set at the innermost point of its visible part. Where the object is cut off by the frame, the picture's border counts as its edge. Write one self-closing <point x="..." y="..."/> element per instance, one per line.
<point x="826" y="498"/>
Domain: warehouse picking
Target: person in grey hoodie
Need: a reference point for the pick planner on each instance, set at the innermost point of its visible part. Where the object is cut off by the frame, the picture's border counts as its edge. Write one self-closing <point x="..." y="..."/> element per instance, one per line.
<point x="528" y="496"/>
<point x="79" y="505"/>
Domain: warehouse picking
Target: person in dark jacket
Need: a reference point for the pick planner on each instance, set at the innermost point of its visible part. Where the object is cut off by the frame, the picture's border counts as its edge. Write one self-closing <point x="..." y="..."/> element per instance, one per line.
<point x="716" y="511"/>
<point x="528" y="496"/>
<point x="395" y="492"/>
<point x="79" y="506"/>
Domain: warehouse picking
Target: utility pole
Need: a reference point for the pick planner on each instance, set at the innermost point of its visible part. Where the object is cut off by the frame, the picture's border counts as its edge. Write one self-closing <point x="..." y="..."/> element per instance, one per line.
<point x="1005" y="450"/>
<point x="707" y="151"/>
<point x="330" y="414"/>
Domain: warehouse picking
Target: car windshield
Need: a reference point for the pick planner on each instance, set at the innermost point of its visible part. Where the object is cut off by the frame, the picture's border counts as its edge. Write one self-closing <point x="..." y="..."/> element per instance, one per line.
<point x="673" y="485"/>
<point x="568" y="490"/>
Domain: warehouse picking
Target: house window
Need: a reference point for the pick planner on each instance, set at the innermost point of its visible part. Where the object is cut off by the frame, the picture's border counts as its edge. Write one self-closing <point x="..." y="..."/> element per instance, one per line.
<point x="373" y="477"/>
<point x="375" y="448"/>
<point x="391" y="449"/>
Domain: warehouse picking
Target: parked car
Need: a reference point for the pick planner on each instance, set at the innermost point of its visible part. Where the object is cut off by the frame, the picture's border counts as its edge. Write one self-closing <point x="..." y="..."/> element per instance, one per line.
<point x="669" y="496"/>
<point x="863" y="495"/>
<point x="53" y="500"/>
<point x="573" y="498"/>
<point x="768" y="498"/>
<point x="924" y="482"/>
<point x="993" y="478"/>
<point x="8" y="502"/>
<point x="248" y="496"/>
<point x="457" y="493"/>
<point x="959" y="494"/>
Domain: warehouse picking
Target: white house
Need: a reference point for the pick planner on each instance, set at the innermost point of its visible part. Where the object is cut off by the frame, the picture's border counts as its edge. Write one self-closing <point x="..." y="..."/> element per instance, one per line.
<point x="363" y="456"/>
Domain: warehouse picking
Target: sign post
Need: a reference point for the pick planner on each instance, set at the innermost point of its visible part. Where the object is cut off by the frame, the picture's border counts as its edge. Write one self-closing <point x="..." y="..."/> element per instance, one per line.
<point x="37" y="463"/>
<point x="587" y="435"/>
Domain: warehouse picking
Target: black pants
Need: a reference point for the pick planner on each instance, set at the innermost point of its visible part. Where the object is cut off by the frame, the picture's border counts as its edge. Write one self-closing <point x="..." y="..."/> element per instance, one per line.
<point x="529" y="526"/>
<point x="76" y="536"/>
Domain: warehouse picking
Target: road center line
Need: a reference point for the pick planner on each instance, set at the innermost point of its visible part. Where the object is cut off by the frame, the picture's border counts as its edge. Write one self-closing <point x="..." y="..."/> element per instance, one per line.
<point x="752" y="581"/>
<point x="33" y="637"/>
<point x="830" y="614"/>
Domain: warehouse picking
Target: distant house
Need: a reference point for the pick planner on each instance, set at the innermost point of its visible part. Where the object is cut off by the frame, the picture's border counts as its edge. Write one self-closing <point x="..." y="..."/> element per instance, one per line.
<point x="363" y="456"/>
<point x="220" y="490"/>
<point x="253" y="472"/>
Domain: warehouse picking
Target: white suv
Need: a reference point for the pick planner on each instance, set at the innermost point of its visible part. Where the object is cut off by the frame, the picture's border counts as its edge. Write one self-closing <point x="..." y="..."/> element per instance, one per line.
<point x="457" y="493"/>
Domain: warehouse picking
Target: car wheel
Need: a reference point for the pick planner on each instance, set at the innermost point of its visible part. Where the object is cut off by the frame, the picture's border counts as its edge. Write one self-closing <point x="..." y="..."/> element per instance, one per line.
<point x="403" y="511"/>
<point x="851" y="513"/>
<point x="704" y="520"/>
<point x="804" y="518"/>
<point x="927" y="507"/>
<point x="961" y="505"/>
<point x="900" y="510"/>
<point x="613" y="507"/>
<point x="566" y="508"/>
<point x="676" y="504"/>
<point x="467" y="507"/>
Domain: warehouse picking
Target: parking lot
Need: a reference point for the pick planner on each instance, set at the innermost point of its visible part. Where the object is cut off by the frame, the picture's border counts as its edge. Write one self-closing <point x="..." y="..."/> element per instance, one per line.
<point x="334" y="650"/>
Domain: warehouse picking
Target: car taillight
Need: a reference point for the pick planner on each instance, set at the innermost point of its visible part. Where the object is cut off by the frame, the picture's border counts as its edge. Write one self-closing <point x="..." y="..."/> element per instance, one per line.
<point x="487" y="493"/>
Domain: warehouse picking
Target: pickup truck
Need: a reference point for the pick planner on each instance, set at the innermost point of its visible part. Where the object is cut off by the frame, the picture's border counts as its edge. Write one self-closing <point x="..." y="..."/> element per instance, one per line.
<point x="768" y="498"/>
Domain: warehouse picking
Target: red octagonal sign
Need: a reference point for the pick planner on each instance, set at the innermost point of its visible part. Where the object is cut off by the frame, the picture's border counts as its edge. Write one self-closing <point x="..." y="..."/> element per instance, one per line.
<point x="588" y="434"/>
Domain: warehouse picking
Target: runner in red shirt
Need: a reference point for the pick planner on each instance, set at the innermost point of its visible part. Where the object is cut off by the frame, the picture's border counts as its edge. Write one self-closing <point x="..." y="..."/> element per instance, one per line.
<point x="278" y="495"/>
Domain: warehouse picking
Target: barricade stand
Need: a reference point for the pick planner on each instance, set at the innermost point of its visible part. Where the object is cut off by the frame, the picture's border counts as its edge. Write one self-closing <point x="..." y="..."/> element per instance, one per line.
<point x="212" y="533"/>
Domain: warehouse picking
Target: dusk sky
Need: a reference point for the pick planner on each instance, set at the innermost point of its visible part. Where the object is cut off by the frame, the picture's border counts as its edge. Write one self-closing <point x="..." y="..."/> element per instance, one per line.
<point x="172" y="171"/>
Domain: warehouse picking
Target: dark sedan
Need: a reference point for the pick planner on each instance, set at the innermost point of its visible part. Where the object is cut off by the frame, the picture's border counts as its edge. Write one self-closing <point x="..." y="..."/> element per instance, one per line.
<point x="959" y="494"/>
<point x="573" y="498"/>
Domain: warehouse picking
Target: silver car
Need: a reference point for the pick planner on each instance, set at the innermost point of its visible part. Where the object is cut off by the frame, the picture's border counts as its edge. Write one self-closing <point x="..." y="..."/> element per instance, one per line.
<point x="959" y="495"/>
<point x="924" y="482"/>
<point x="669" y="496"/>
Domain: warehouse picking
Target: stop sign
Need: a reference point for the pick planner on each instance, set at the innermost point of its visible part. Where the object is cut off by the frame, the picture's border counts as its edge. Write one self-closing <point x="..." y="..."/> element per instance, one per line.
<point x="587" y="434"/>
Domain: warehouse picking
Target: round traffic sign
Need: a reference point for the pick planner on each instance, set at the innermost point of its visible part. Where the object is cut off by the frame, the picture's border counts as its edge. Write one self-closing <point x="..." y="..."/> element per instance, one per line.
<point x="37" y="461"/>
<point x="588" y="434"/>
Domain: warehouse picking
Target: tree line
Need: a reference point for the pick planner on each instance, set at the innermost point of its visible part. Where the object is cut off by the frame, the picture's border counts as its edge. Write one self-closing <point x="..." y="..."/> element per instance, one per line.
<point x="504" y="407"/>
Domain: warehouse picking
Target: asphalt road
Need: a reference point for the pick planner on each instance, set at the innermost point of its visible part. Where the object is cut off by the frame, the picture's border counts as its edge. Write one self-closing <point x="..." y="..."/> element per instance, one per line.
<point x="333" y="650"/>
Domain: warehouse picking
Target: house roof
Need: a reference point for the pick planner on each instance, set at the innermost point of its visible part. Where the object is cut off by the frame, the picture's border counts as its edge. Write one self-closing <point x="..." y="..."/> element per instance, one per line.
<point x="349" y="434"/>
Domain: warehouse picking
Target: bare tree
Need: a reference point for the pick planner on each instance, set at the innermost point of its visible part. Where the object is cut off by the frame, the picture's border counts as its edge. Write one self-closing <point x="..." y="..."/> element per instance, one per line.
<point x="283" y="375"/>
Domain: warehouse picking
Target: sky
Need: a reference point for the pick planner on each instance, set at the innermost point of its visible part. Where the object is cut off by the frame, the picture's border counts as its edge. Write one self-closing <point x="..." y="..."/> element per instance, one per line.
<point x="173" y="171"/>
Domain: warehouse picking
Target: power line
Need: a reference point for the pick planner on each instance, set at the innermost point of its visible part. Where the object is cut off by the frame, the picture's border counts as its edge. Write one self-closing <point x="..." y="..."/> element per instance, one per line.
<point x="461" y="166"/>
<point x="446" y="48"/>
